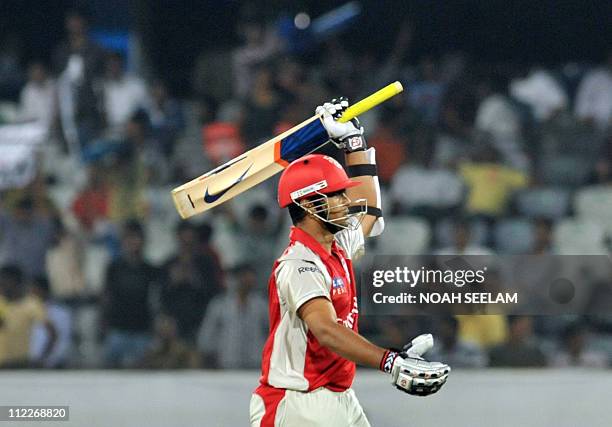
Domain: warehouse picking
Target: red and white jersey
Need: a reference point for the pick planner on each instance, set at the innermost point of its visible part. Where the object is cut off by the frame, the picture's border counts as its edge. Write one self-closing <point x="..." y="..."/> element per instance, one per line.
<point x="292" y="357"/>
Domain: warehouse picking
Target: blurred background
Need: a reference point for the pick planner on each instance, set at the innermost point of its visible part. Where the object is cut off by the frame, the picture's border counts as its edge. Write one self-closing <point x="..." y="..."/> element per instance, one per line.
<point x="500" y="144"/>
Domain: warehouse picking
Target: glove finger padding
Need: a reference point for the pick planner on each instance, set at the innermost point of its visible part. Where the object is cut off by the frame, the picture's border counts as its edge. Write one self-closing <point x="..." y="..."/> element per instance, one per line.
<point x="340" y="104"/>
<point x="418" y="376"/>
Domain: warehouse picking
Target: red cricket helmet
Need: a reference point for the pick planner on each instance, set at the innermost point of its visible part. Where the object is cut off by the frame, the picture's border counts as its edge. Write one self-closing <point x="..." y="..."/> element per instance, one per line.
<point x="310" y="174"/>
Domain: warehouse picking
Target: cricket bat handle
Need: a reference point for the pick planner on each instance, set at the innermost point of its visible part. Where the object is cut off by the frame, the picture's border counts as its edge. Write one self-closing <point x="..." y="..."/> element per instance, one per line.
<point x="371" y="101"/>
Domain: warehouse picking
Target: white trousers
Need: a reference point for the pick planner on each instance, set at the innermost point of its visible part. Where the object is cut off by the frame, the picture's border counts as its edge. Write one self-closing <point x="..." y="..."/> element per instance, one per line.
<point x="321" y="407"/>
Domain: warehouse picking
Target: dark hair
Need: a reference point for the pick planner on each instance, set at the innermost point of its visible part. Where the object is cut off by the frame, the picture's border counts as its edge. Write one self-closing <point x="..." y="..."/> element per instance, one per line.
<point x="205" y="232"/>
<point x="185" y="226"/>
<point x="297" y="213"/>
<point x="12" y="272"/>
<point x="26" y="203"/>
<point x="572" y="330"/>
<point x="243" y="268"/>
<point x="451" y="321"/>
<point x="42" y="283"/>
<point x="258" y="212"/>
<point x="133" y="226"/>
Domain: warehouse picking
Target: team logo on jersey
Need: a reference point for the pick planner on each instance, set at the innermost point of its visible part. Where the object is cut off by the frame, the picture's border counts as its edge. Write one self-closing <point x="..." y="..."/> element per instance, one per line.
<point x="338" y="287"/>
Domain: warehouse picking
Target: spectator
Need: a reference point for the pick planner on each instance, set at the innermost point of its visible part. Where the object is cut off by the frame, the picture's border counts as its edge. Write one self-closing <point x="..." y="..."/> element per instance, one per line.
<point x="542" y="92"/>
<point x="124" y="94"/>
<point x="91" y="205"/>
<point x="60" y="317"/>
<point x="146" y="148"/>
<point x="126" y="302"/>
<point x="207" y="250"/>
<point x="38" y="97"/>
<point x="79" y="61"/>
<point x="426" y="94"/>
<point x="168" y="350"/>
<point x="26" y="236"/>
<point x="166" y="115"/>
<point x="190" y="282"/>
<point x="418" y="189"/>
<point x="602" y="171"/>
<point x="490" y="184"/>
<point x="21" y="313"/>
<point x="450" y="347"/>
<point x="137" y="162"/>
<point x="261" y="108"/>
<point x="64" y="267"/>
<point x="258" y="240"/>
<point x="390" y="147"/>
<point x="543" y="237"/>
<point x="575" y="352"/>
<point x="594" y="96"/>
<point x="237" y="316"/>
<point x="484" y="330"/>
<point x="497" y="118"/>
<point x="521" y="349"/>
<point x="463" y="244"/>
<point x="259" y="44"/>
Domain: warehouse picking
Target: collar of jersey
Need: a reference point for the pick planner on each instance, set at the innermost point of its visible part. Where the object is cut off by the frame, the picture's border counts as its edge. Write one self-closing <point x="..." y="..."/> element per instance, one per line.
<point x="299" y="235"/>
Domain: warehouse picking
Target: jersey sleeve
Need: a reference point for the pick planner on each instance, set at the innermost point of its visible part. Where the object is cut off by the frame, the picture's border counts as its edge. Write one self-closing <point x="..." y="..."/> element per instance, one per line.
<point x="299" y="281"/>
<point x="352" y="241"/>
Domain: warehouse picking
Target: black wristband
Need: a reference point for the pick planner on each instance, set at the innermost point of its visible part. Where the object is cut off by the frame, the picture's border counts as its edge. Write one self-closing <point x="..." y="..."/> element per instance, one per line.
<point x="370" y="210"/>
<point x="386" y="363"/>
<point x="362" y="170"/>
<point x="354" y="143"/>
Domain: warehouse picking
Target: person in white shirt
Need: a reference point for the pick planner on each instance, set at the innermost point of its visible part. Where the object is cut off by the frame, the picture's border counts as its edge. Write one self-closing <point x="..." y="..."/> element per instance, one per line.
<point x="594" y="96"/>
<point x="124" y="94"/>
<point x="38" y="99"/>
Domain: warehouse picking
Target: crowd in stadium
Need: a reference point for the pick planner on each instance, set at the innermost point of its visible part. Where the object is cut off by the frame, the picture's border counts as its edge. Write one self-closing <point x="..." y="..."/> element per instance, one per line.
<point x="97" y="270"/>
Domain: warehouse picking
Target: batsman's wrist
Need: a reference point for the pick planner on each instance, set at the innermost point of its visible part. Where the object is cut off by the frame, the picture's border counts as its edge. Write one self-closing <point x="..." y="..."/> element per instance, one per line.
<point x="354" y="143"/>
<point x="387" y="361"/>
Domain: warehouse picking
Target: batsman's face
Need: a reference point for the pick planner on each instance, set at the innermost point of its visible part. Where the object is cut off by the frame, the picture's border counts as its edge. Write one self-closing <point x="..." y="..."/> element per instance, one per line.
<point x="338" y="207"/>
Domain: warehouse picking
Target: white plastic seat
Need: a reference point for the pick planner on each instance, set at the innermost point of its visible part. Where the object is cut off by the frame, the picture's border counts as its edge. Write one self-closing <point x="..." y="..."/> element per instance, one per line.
<point x="579" y="237"/>
<point x="514" y="236"/>
<point x="548" y="202"/>
<point x="595" y="203"/>
<point x="404" y="236"/>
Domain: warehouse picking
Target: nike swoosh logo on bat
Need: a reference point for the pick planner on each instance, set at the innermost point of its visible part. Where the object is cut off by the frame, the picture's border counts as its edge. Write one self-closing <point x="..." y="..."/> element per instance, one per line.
<point x="211" y="198"/>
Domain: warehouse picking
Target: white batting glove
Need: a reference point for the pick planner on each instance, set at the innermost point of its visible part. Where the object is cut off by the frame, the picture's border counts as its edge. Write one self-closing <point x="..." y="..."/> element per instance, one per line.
<point x="411" y="373"/>
<point x="349" y="135"/>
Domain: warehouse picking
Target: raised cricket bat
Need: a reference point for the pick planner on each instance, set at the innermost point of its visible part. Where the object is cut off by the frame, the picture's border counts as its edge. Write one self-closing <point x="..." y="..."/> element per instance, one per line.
<point x="260" y="163"/>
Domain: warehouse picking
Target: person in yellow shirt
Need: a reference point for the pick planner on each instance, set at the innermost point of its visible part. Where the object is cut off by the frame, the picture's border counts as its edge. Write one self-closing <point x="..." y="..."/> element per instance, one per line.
<point x="486" y="330"/>
<point x="19" y="312"/>
<point x="490" y="184"/>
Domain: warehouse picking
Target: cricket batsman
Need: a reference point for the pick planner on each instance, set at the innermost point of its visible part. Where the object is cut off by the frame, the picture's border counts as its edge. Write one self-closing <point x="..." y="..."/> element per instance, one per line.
<point x="309" y="358"/>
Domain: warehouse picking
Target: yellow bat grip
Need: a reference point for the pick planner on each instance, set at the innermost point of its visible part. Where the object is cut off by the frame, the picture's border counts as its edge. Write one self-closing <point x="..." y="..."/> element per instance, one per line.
<point x="371" y="101"/>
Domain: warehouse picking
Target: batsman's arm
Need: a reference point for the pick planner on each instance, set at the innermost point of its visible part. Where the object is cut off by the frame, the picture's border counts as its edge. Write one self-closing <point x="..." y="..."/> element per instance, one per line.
<point x="360" y="161"/>
<point x="320" y="316"/>
<point x="361" y="166"/>
<point x="409" y="372"/>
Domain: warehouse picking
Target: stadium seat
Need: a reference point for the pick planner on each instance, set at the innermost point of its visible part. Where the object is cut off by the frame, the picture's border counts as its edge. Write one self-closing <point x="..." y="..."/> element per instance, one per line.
<point x="514" y="236"/>
<point x="548" y="202"/>
<point x="595" y="203"/>
<point x="565" y="171"/>
<point x="404" y="236"/>
<point x="579" y="237"/>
